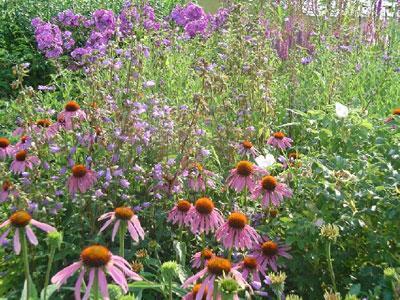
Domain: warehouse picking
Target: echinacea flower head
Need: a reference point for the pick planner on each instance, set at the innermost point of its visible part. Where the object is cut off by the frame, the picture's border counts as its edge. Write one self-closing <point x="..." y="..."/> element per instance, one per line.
<point x="199" y="259"/>
<point x="179" y="212"/>
<point x="246" y="148"/>
<point x="192" y="295"/>
<point x="81" y="179"/>
<point x="280" y="140"/>
<point x="243" y="176"/>
<point x="5" y="190"/>
<point x="395" y="113"/>
<point x="22" y="161"/>
<point x="20" y="221"/>
<point x="98" y="261"/>
<point x="271" y="191"/>
<point x="236" y="233"/>
<point x="6" y="150"/>
<point x="126" y="216"/>
<point x="249" y="266"/>
<point x="216" y="267"/>
<point x="72" y="110"/>
<point x="267" y="251"/>
<point x="199" y="178"/>
<point x="203" y="216"/>
<point x="43" y="123"/>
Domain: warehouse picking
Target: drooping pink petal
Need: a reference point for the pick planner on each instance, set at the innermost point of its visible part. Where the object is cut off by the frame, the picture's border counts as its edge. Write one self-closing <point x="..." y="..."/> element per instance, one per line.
<point x="31" y="235"/>
<point x="5" y="223"/>
<point x="42" y="226"/>
<point x="90" y="283"/>
<point x="115" y="229"/>
<point x="17" y="242"/>
<point x="103" y="284"/>
<point x="78" y="284"/>
<point x="62" y="276"/>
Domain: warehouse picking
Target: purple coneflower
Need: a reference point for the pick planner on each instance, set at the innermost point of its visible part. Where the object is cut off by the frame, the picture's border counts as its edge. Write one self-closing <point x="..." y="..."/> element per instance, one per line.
<point x="199" y="259"/>
<point x="243" y="176"/>
<point x="272" y="191"/>
<point x="236" y="233"/>
<point x="81" y="179"/>
<point x="246" y="148"/>
<point x="249" y="266"/>
<point x="71" y="110"/>
<point x="5" y="148"/>
<point x="179" y="212"/>
<point x="203" y="216"/>
<point x="192" y="295"/>
<point x="20" y="220"/>
<point x="216" y="267"/>
<point x="267" y="252"/>
<point x="98" y="261"/>
<point x="23" y="161"/>
<point x="24" y="143"/>
<point x="396" y="112"/>
<point x="279" y="140"/>
<point x="5" y="190"/>
<point x="200" y="178"/>
<point x="123" y="214"/>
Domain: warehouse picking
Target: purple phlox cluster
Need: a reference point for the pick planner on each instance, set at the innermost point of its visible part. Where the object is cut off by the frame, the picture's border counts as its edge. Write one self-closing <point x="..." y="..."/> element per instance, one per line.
<point x="69" y="18"/>
<point x="48" y="37"/>
<point x="196" y="22"/>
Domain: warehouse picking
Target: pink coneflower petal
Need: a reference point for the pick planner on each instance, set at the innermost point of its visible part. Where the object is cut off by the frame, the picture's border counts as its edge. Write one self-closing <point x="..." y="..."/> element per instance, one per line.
<point x="45" y="227"/>
<point x="194" y="278"/>
<point x="105" y="216"/>
<point x="103" y="284"/>
<point x="90" y="283"/>
<point x="106" y="224"/>
<point x="4" y="235"/>
<point x="118" y="277"/>
<point x="115" y="229"/>
<point x="5" y="223"/>
<point x="133" y="232"/>
<point x="62" y="276"/>
<point x="16" y="241"/>
<point x="31" y="236"/>
<point x="78" y="285"/>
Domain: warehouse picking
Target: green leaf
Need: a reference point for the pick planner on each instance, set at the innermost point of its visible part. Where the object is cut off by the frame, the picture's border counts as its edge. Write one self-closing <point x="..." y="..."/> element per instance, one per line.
<point x="33" y="294"/>
<point x="145" y="285"/>
<point x="50" y="291"/>
<point x="180" y="249"/>
<point x="355" y="289"/>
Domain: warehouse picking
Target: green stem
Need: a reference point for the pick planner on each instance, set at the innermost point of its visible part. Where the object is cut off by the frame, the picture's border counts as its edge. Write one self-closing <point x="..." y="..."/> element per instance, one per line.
<point x="96" y="285"/>
<point x="49" y="263"/>
<point x="170" y="288"/>
<point x="330" y="266"/>
<point x="215" y="292"/>
<point x="121" y="232"/>
<point x="26" y="261"/>
<point x="230" y="253"/>
<point x="203" y="238"/>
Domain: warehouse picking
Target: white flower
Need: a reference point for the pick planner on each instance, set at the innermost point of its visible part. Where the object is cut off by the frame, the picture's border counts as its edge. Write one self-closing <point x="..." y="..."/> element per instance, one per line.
<point x="342" y="111"/>
<point x="265" y="161"/>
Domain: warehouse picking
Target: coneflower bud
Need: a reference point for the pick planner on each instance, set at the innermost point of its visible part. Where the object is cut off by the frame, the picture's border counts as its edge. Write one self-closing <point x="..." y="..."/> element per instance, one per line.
<point x="277" y="282"/>
<point x="228" y="286"/>
<point x="331" y="296"/>
<point x="54" y="239"/>
<point x="330" y="231"/>
<point x="293" y="297"/>
<point x="170" y="270"/>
